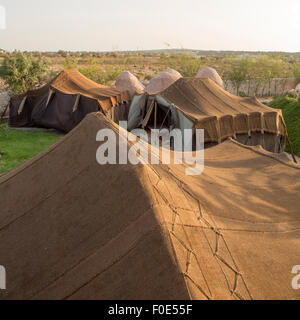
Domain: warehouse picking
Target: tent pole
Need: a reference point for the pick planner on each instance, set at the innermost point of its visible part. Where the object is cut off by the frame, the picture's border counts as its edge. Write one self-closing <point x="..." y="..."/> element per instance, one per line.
<point x="3" y="113"/>
<point x="21" y="106"/>
<point x="164" y="119"/>
<point x="49" y="97"/>
<point x="76" y="103"/>
<point x="290" y="147"/>
<point x="148" y="114"/>
<point x="155" y="115"/>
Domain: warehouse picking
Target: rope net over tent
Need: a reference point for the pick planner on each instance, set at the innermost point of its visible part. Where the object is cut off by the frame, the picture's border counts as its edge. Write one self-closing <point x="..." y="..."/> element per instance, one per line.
<point x="87" y="231"/>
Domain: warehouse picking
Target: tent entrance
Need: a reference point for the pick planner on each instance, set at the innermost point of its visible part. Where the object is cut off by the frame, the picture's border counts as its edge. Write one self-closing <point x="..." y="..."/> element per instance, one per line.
<point x="158" y="116"/>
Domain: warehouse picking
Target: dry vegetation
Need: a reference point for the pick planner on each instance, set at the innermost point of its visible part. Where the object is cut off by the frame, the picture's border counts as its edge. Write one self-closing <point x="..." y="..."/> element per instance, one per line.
<point x="105" y="68"/>
<point x="145" y="65"/>
<point x="148" y="63"/>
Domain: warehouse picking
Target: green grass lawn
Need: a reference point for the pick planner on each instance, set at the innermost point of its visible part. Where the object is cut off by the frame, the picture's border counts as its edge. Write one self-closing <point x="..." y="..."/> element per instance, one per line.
<point x="16" y="147"/>
<point x="291" y="113"/>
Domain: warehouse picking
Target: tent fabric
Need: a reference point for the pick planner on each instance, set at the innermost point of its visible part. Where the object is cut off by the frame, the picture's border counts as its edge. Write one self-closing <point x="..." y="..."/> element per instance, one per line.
<point x="128" y="82"/>
<point x="269" y="141"/>
<point x="86" y="231"/>
<point x="73" y="82"/>
<point x="59" y="114"/>
<point x="136" y="111"/>
<point x="64" y="101"/>
<point x="201" y="104"/>
<point x="162" y="81"/>
<point x="212" y="74"/>
<point x="220" y="113"/>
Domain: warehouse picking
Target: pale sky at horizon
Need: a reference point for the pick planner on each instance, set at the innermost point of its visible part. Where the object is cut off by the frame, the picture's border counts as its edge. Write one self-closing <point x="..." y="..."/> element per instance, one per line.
<point x="93" y="25"/>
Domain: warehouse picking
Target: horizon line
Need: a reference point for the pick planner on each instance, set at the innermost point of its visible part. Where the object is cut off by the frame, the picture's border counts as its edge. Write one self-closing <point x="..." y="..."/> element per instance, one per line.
<point x="153" y="50"/>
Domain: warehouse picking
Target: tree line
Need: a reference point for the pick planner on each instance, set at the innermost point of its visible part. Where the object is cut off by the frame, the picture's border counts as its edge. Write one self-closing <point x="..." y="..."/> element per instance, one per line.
<point x="23" y="71"/>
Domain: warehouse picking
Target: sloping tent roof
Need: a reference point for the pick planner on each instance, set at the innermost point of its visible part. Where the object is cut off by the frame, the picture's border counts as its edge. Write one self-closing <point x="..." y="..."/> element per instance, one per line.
<point x="220" y="113"/>
<point x="74" y="83"/>
<point x="87" y="231"/>
<point x="65" y="101"/>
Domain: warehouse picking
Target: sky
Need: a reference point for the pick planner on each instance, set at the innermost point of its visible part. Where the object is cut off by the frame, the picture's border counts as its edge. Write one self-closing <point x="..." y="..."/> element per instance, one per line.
<point x="97" y="25"/>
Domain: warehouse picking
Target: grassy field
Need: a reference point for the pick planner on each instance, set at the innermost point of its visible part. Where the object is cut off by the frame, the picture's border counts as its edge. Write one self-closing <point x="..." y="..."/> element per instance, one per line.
<point x="16" y="147"/>
<point x="291" y="113"/>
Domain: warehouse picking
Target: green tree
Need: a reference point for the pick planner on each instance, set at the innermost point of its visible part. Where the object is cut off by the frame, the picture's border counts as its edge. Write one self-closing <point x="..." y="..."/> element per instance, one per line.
<point x="100" y="75"/>
<point x="260" y="72"/>
<point x="22" y="72"/>
<point x="185" y="65"/>
<point x="296" y="68"/>
<point x="238" y="71"/>
<point x="70" y="63"/>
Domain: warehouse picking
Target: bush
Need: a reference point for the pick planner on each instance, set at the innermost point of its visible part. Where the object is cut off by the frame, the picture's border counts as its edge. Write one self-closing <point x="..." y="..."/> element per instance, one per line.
<point x="70" y="63"/>
<point x="102" y="76"/>
<point x="291" y="95"/>
<point x="22" y="72"/>
<point x="238" y="71"/>
<point x="187" y="66"/>
<point x="291" y="113"/>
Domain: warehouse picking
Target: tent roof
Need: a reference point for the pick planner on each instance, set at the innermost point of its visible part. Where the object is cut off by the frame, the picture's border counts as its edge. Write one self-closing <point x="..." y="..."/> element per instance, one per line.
<point x="212" y="74"/>
<point x="73" y="82"/>
<point x="162" y="81"/>
<point x="128" y="82"/>
<point x="87" y="231"/>
<point x="222" y="114"/>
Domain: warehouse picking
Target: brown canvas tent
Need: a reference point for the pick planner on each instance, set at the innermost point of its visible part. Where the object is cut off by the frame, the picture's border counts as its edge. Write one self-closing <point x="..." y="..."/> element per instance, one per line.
<point x="79" y="230"/>
<point x="65" y="101"/>
<point x="195" y="103"/>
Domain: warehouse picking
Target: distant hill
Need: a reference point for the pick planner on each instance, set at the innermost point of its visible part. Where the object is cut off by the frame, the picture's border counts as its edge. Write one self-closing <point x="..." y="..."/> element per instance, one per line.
<point x="213" y="52"/>
<point x="157" y="52"/>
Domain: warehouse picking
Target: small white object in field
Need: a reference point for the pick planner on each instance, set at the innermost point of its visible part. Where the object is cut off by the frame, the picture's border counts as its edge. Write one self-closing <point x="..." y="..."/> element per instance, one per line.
<point x="293" y="91"/>
<point x="211" y="74"/>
